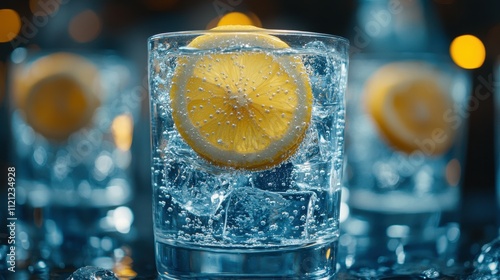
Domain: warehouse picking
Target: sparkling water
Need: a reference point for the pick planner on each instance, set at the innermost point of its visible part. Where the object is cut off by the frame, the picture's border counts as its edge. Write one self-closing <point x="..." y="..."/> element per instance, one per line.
<point x="221" y="222"/>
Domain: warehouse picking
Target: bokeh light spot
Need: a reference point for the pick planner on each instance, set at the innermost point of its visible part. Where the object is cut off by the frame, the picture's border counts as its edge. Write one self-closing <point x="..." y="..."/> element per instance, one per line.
<point x="85" y="26"/>
<point x="123" y="129"/>
<point x="10" y="26"/>
<point x="467" y="51"/>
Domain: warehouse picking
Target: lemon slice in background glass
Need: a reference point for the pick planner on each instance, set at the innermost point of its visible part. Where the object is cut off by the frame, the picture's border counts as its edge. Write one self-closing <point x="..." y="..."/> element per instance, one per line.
<point x="245" y="108"/>
<point x="407" y="102"/>
<point x="59" y="94"/>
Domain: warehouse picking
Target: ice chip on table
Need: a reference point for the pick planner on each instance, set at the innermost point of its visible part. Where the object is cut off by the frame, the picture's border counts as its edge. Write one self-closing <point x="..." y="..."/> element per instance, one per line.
<point x="193" y="189"/>
<point x="92" y="273"/>
<point x="487" y="262"/>
<point x="251" y="215"/>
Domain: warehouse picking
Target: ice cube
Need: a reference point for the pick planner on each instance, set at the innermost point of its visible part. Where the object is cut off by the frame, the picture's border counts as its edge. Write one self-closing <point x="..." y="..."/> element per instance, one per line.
<point x="313" y="176"/>
<point x="275" y="180"/>
<point x="92" y="273"/>
<point x="310" y="149"/>
<point x="193" y="189"/>
<point x="252" y="216"/>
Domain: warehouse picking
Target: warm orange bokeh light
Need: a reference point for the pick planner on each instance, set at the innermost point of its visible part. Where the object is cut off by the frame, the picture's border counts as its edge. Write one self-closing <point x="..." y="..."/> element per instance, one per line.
<point x="123" y="129"/>
<point x="467" y="51"/>
<point x="85" y="26"/>
<point x="10" y="26"/>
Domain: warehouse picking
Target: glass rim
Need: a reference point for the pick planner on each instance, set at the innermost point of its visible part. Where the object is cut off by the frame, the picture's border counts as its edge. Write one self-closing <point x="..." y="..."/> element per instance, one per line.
<point x="337" y="38"/>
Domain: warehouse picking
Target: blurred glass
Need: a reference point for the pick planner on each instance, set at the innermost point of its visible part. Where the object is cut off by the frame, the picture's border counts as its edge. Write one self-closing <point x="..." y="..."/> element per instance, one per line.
<point x="72" y="120"/>
<point x="405" y="148"/>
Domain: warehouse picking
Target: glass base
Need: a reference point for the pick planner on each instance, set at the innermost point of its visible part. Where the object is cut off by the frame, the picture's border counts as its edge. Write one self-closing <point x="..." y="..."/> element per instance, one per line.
<point x="312" y="261"/>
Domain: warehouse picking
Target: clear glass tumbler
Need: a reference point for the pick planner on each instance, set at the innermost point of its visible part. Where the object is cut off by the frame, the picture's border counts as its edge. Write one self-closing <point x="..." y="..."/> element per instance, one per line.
<point x="247" y="152"/>
<point x="405" y="149"/>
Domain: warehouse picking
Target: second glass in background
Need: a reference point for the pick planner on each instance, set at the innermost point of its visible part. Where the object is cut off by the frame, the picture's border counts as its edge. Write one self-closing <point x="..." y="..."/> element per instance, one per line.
<point x="405" y="149"/>
<point x="73" y="117"/>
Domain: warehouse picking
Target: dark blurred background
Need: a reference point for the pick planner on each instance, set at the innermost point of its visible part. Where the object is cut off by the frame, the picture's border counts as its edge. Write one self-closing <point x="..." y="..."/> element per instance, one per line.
<point x="125" y="25"/>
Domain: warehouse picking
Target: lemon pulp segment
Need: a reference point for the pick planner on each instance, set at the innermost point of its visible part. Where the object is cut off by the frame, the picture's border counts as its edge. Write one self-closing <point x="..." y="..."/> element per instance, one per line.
<point x="407" y="103"/>
<point x="244" y="109"/>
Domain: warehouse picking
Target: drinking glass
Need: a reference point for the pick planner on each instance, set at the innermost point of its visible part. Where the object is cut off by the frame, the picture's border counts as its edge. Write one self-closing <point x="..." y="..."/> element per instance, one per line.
<point x="405" y="148"/>
<point x="72" y="123"/>
<point x="247" y="152"/>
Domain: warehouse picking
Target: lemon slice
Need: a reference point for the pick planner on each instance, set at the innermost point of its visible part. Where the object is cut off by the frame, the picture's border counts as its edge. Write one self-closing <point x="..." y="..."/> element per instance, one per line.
<point x="245" y="109"/>
<point x="407" y="102"/>
<point x="59" y="94"/>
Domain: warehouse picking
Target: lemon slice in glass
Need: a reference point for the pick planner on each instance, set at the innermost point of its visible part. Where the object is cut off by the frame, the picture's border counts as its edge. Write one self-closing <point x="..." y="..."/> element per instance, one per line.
<point x="407" y="102"/>
<point x="60" y="94"/>
<point x="246" y="108"/>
